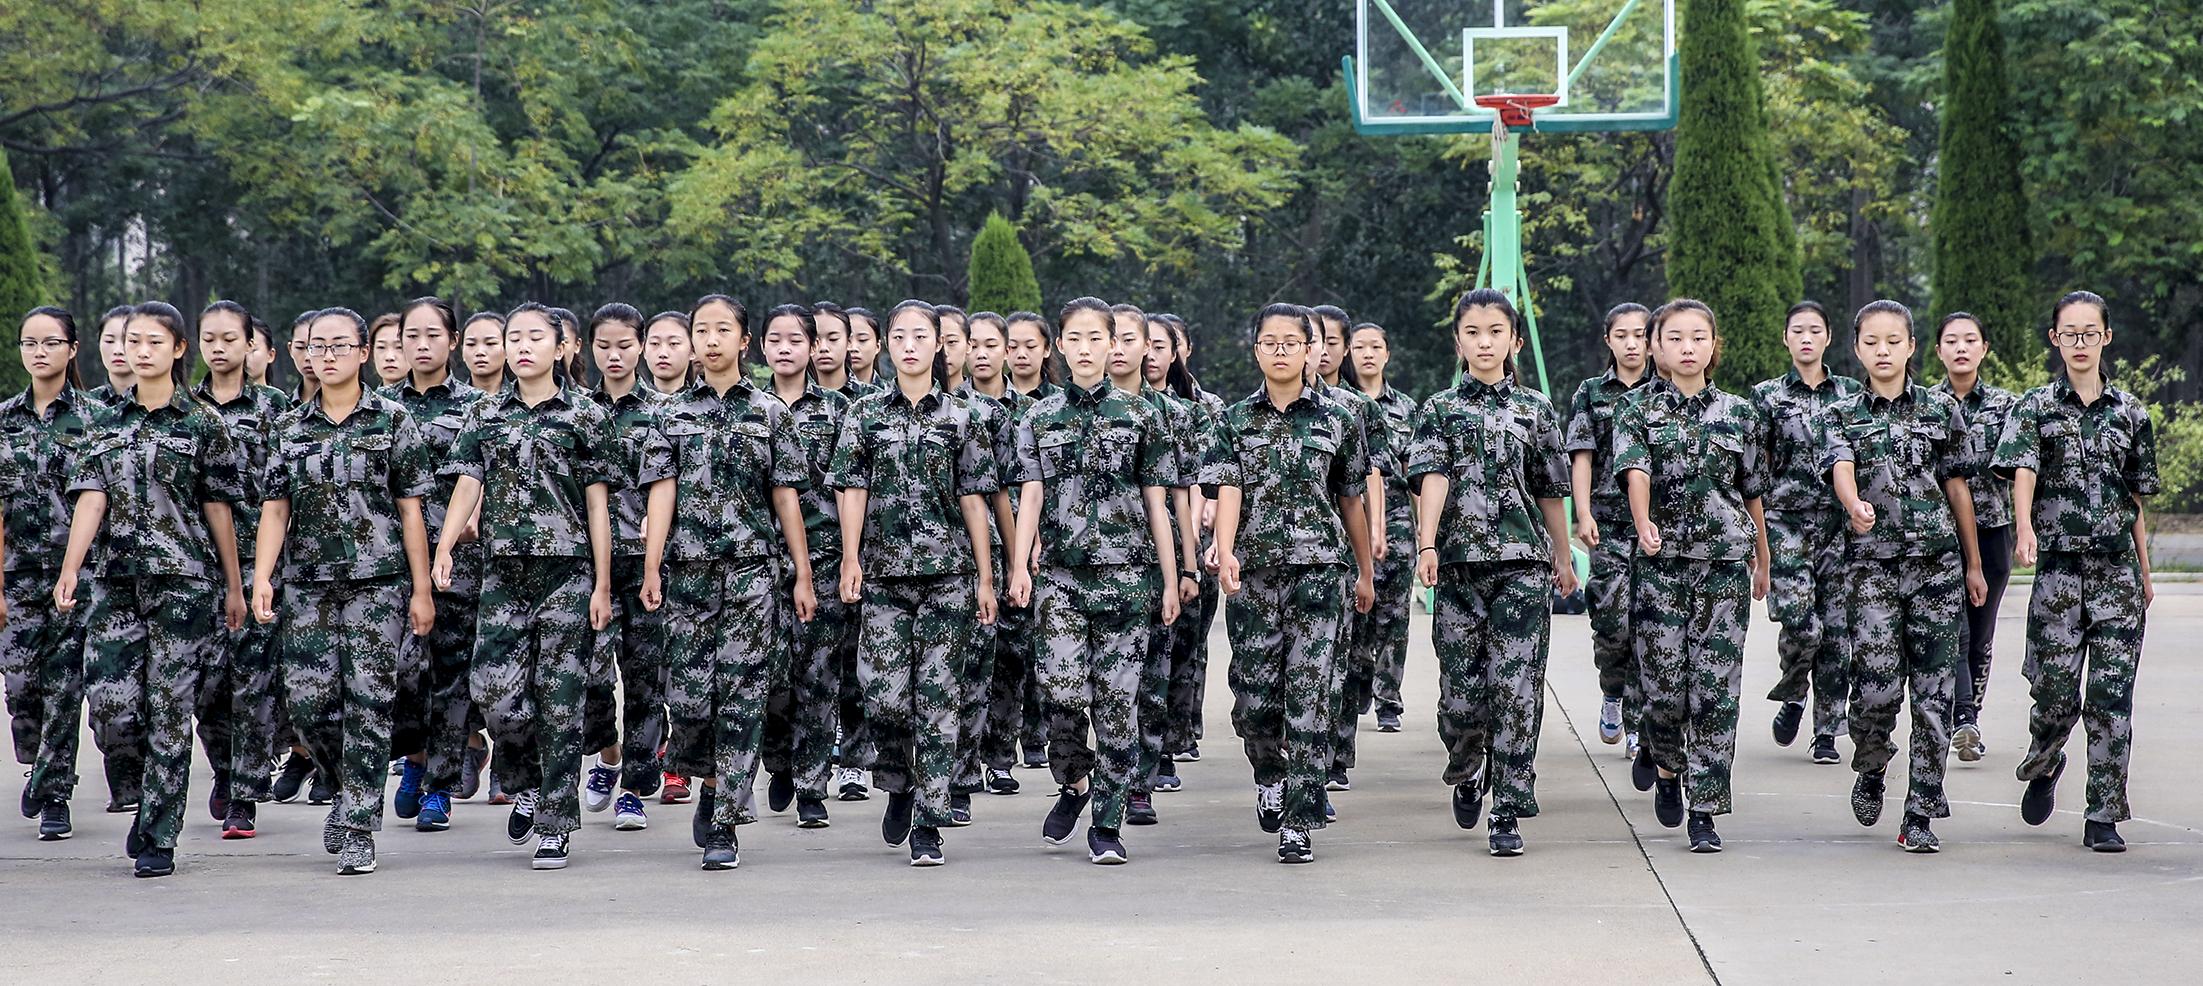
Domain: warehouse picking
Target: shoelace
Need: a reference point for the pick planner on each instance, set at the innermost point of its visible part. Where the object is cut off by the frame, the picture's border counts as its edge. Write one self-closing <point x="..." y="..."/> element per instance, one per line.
<point x="601" y="778"/>
<point x="1296" y="837"/>
<point x="436" y="801"/>
<point x="524" y="803"/>
<point x="554" y="843"/>
<point x="1271" y="797"/>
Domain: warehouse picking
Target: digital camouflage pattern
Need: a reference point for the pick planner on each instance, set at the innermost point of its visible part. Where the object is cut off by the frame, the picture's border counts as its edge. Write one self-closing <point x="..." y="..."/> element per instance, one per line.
<point x="1806" y="595"/>
<point x="1986" y="409"/>
<point x="1291" y="466"/>
<point x="632" y="645"/>
<point x="726" y="650"/>
<point x="1795" y="433"/>
<point x="1501" y="447"/>
<point x="1492" y="628"/>
<point x="1705" y="455"/>
<point x="1590" y="428"/>
<point x="147" y="655"/>
<point x="1012" y="668"/>
<point x="915" y="461"/>
<point x="818" y="415"/>
<point x="159" y="468"/>
<point x="1903" y="451"/>
<point x="529" y="678"/>
<point x="1383" y="640"/>
<point x="634" y="417"/>
<point x="1092" y="625"/>
<point x="2090" y="462"/>
<point x="42" y="649"/>
<point x="253" y="417"/>
<point x="1285" y="627"/>
<point x="344" y="480"/>
<point x="2084" y="643"/>
<point x="434" y="711"/>
<point x="40" y="450"/>
<point x="1592" y="411"/>
<point x="1689" y="623"/>
<point x="803" y="713"/>
<point x="1093" y="451"/>
<point x="907" y="673"/>
<point x="976" y="652"/>
<point x="339" y="643"/>
<point x="1909" y="608"/>
<point x="239" y="711"/>
<point x="535" y="464"/>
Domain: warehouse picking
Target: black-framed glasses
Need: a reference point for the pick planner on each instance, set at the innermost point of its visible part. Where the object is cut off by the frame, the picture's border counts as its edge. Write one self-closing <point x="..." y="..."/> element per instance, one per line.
<point x="1280" y="347"/>
<point x="333" y="349"/>
<point x="2088" y="338"/>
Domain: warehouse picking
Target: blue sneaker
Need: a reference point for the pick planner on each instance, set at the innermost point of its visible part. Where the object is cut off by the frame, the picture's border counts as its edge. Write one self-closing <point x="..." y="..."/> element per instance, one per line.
<point x="435" y="812"/>
<point x="627" y="814"/>
<point x="408" y="801"/>
<point x="1330" y="814"/>
<point x="596" y="793"/>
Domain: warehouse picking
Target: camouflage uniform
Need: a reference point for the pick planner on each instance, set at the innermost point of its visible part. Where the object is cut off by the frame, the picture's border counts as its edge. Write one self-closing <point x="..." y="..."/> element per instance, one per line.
<point x="1384" y="645"/>
<point x="1500" y="446"/>
<point x="1805" y="538"/>
<point x="1015" y="641"/>
<point x="1158" y="671"/>
<point x="1907" y="582"/>
<point x="41" y="648"/>
<point x="803" y="714"/>
<point x="916" y="461"/>
<point x="1187" y="694"/>
<point x="531" y="646"/>
<point x="238" y="707"/>
<point x="726" y="453"/>
<point x="1356" y="670"/>
<point x="345" y="582"/>
<point x="152" y="631"/>
<point x="2091" y="461"/>
<point x="975" y="665"/>
<point x="1591" y="414"/>
<point x="1705" y="456"/>
<point x="1986" y="408"/>
<point x="434" y="712"/>
<point x="1296" y="582"/>
<point x="1094" y="452"/>
<point x="633" y="643"/>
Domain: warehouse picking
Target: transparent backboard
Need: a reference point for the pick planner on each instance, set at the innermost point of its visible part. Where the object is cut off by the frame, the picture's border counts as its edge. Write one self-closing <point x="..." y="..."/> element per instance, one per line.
<point x="1418" y="66"/>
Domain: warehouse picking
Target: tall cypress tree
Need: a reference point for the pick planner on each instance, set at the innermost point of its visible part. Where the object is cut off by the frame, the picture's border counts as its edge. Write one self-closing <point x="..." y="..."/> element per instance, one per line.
<point x="1980" y="220"/>
<point x="1730" y="246"/>
<point x="20" y="290"/>
<point x="1001" y="278"/>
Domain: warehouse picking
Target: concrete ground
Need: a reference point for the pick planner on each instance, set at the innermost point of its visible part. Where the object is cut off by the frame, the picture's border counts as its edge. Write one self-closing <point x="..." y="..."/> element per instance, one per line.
<point x="1604" y="895"/>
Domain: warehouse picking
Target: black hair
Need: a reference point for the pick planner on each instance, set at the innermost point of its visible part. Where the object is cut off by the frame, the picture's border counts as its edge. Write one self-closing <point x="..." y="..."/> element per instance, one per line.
<point x="1146" y="331"/>
<point x="2072" y="298"/>
<point x="1809" y="305"/>
<point x="1049" y="372"/>
<point x="1490" y="298"/>
<point x="68" y="331"/>
<point x="944" y="311"/>
<point x="988" y="318"/>
<point x="827" y="309"/>
<point x="558" y="335"/>
<point x="933" y="318"/>
<point x="616" y="312"/>
<point x="360" y="332"/>
<point x="741" y="314"/>
<point x="1182" y="352"/>
<point x="1678" y="306"/>
<point x="1280" y="309"/>
<point x="119" y="311"/>
<point x="854" y="312"/>
<point x="677" y="318"/>
<point x="228" y="307"/>
<point x="1347" y="370"/>
<point x="1177" y="377"/>
<point x="445" y="316"/>
<point x="1332" y="313"/>
<point x="257" y="326"/>
<point x="386" y="320"/>
<point x="1615" y="314"/>
<point x="171" y="319"/>
<point x="1956" y="317"/>
<point x="803" y="316"/>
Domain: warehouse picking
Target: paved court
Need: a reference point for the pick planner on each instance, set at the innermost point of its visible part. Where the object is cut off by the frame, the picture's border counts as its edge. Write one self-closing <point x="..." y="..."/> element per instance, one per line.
<point x="1604" y="895"/>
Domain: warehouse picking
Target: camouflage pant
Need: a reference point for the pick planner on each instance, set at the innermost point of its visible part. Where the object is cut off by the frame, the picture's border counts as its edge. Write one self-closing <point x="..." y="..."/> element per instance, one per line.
<point x="2085" y="609"/>
<point x="803" y="712"/>
<point x="1152" y="699"/>
<point x="1805" y="594"/>
<point x="1905" y="622"/>
<point x="1608" y="596"/>
<point x="340" y="644"/>
<point x="446" y="715"/>
<point x="1492" y="627"/>
<point x="1093" y="625"/>
<point x="1186" y="705"/>
<point x="1188" y="663"/>
<point x="906" y="669"/>
<point x="528" y="676"/>
<point x="146" y="650"/>
<point x="1688" y="625"/>
<point x="42" y="660"/>
<point x="974" y="679"/>
<point x="1285" y="630"/>
<point x="1385" y="635"/>
<point x="242" y="695"/>
<point x="1006" y="690"/>
<point x="632" y="715"/>
<point x="725" y="652"/>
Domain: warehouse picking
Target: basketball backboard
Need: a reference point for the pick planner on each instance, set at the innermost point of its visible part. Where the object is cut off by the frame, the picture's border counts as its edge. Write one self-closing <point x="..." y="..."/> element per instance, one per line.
<point x="1419" y="65"/>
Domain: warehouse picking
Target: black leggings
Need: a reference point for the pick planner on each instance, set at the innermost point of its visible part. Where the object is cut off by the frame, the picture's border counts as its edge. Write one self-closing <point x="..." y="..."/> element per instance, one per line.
<point x="1978" y="633"/>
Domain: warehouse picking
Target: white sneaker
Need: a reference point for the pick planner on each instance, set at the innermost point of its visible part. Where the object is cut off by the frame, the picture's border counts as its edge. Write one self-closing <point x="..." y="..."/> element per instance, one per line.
<point x="1610" y="721"/>
<point x="550" y="853"/>
<point x="596" y="789"/>
<point x="1630" y="751"/>
<point x="1966" y="743"/>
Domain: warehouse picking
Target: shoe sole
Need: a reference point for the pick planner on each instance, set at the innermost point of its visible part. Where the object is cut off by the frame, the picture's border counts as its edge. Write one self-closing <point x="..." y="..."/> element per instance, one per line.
<point x="1106" y="859"/>
<point x="684" y="799"/>
<point x="630" y="825"/>
<point x="1705" y="848"/>
<point x="146" y="874"/>
<point x="518" y="839"/>
<point x="1387" y="729"/>
<point x="716" y="867"/>
<point x="596" y="809"/>
<point x="1832" y="758"/>
<point x="1506" y="852"/>
<point x="546" y="864"/>
<point x="996" y="790"/>
<point x="1923" y="850"/>
<point x="816" y="823"/>
<point x="1337" y="786"/>
<point x="928" y="861"/>
<point x="355" y="870"/>
<point x="2107" y="847"/>
<point x="432" y="826"/>
<point x="54" y="836"/>
<point x="957" y="823"/>
<point x="234" y="834"/>
<point x="1610" y="739"/>
<point x="1142" y="820"/>
<point x="1295" y="860"/>
<point x="857" y="796"/>
<point x="1173" y="789"/>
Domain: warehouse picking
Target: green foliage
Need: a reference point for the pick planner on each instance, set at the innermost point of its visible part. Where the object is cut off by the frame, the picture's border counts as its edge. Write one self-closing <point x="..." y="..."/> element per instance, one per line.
<point x="1001" y="271"/>
<point x="20" y="287"/>
<point x="1982" y="248"/>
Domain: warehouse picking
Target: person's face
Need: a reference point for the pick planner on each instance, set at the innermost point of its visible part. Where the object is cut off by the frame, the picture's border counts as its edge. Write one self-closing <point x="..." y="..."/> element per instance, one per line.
<point x="1884" y="346"/>
<point x="912" y="342"/>
<point x="391" y="364"/>
<point x="257" y="356"/>
<point x="1370" y="354"/>
<point x="1087" y="339"/>
<point x="1158" y="354"/>
<point x="667" y="350"/>
<point x="46" y="347"/>
<point x="864" y="345"/>
<point x="333" y="347"/>
<point x="985" y="352"/>
<point x="1686" y="344"/>
<point x="531" y="346"/>
<point x="1484" y="338"/>
<point x="1281" y="349"/>
<point x="150" y="348"/>
<point x="222" y="338"/>
<point x="1128" y="349"/>
<point x="2080" y="336"/>
<point x="1626" y="340"/>
<point x="426" y="342"/>
<point x="787" y="347"/>
<point x="1028" y="350"/>
<point x="484" y="349"/>
<point x="1806" y="335"/>
<point x="955" y="343"/>
<point x="1334" y="347"/>
<point x="718" y="338"/>
<point x="616" y="351"/>
<point x="111" y="351"/>
<point x="830" y="354"/>
<point x="1961" y="347"/>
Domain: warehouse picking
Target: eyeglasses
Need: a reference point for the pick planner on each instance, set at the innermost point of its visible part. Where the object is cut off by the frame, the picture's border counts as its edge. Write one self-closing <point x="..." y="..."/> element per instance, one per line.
<point x="2088" y="338"/>
<point x="34" y="345"/>
<point x="1280" y="347"/>
<point x="333" y="349"/>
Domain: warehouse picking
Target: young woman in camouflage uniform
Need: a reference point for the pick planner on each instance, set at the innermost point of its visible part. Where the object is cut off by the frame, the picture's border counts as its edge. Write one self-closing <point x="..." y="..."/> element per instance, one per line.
<point x="1166" y="373"/>
<point x="1384" y="645"/>
<point x="154" y="487"/>
<point x="343" y="515"/>
<point x="113" y="356"/>
<point x="42" y="649"/>
<point x="1356" y="671"/>
<point x="2081" y="455"/>
<point x="1899" y="457"/>
<point x="975" y="671"/>
<point x="1187" y="748"/>
<point x="1290" y="464"/>
<point x="539" y="461"/>
<point x="1691" y="459"/>
<point x="388" y="349"/>
<point x="864" y="351"/>
<point x="1492" y="540"/>
<point x="1602" y="518"/>
<point x="482" y="348"/>
<point x="1962" y="348"/>
<point x="1034" y="373"/>
<point x="916" y="468"/>
<point x="1012" y="663"/>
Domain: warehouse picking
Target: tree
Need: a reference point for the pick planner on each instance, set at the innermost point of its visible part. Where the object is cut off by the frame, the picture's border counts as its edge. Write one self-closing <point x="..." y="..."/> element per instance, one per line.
<point x="1001" y="271"/>
<point x="20" y="288"/>
<point x="1982" y="249"/>
<point x="1728" y="246"/>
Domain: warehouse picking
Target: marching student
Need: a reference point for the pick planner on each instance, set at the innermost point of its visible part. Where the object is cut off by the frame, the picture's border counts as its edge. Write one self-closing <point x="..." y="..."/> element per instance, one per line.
<point x="1176" y="660"/>
<point x="390" y="362"/>
<point x="482" y="348"/>
<point x="1012" y="661"/>
<point x="259" y="351"/>
<point x="975" y="668"/>
<point x="1385" y="644"/>
<point x="1033" y="372"/>
<point x="1356" y="673"/>
<point x="299" y="362"/>
<point x="864" y="351"/>
<point x="1186" y="747"/>
<point x="666" y="352"/>
<point x="1602" y="519"/>
<point x="1961" y="347"/>
<point x="113" y="357"/>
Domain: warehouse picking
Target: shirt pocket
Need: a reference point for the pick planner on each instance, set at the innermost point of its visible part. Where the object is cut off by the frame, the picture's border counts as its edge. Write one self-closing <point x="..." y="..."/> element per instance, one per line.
<point x="555" y="451"/>
<point x="1053" y="449"/>
<point x="2061" y="453"/>
<point x="368" y="463"/>
<point x="174" y="464"/>
<point x="691" y="442"/>
<point x="1724" y="456"/>
<point x="1115" y="450"/>
<point x="751" y="443"/>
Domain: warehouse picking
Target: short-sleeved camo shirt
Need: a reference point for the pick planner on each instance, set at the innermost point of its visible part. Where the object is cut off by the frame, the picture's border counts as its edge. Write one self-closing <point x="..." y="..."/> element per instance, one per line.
<point x="1705" y="456"/>
<point x="916" y="461"/>
<point x="726" y="452"/>
<point x="1903" y="451"/>
<point x="1795" y="436"/>
<point x="439" y="412"/>
<point x="2090" y="462"/>
<point x="1986" y="408"/>
<point x="634" y="420"/>
<point x="818" y="415"/>
<point x="40" y="450"/>
<point x="1291" y="466"/>
<point x="1591" y="429"/>
<point x="535" y="465"/>
<point x="344" y="480"/>
<point x="253" y="417"/>
<point x="1501" y="447"/>
<point x="159" y="468"/>
<point x="1094" y="451"/>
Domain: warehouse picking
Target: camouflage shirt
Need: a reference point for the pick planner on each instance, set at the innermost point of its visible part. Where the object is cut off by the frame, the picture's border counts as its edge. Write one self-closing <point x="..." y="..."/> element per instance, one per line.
<point x="1398" y="410"/>
<point x="1094" y="452"/>
<point x="1375" y="437"/>
<point x="2090" y="462"/>
<point x="535" y="465"/>
<point x="40" y="449"/>
<point x="159" y="467"/>
<point x="1796" y="433"/>
<point x="439" y="412"/>
<point x="1986" y="408"/>
<point x="818" y="415"/>
<point x="1903" y="450"/>
<point x="634" y="420"/>
<point x="253" y="417"/>
<point x="725" y="452"/>
<point x="1291" y="468"/>
<point x="915" y="460"/>
<point x="1175" y="419"/>
<point x="1501" y="447"/>
<point x="1705" y="456"/>
<point x="344" y="481"/>
<point x="107" y="394"/>
<point x="1591" y="429"/>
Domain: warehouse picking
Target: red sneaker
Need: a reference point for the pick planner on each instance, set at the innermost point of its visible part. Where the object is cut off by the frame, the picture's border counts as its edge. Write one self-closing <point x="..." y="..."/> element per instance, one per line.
<point x="237" y="821"/>
<point x="675" y="791"/>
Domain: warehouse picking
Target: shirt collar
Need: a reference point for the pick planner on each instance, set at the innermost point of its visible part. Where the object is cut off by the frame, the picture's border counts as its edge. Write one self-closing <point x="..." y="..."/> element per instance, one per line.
<point x="1088" y="395"/>
<point x="1308" y="395"/>
<point x="1475" y="389"/>
<point x="510" y="397"/>
<point x="1903" y="397"/>
<point x="180" y="401"/>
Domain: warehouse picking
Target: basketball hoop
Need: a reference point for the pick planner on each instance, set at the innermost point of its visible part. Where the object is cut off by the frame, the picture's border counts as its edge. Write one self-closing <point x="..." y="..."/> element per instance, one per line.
<point x="1515" y="109"/>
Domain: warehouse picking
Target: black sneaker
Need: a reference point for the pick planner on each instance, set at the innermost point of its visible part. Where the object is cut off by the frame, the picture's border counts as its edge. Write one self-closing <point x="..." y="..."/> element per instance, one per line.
<point x="119" y="806"/>
<point x="1468" y="801"/>
<point x="155" y="861"/>
<point x="292" y="777"/>
<point x="1269" y="806"/>
<point x="238" y="824"/>
<point x="1824" y="749"/>
<point x="895" y="822"/>
<point x="31" y="805"/>
<point x="1104" y="847"/>
<point x="551" y="853"/>
<point x="218" y="796"/>
<point x="1915" y="836"/>
<point x="959" y="809"/>
<point x="1643" y="771"/>
<point x="1388" y="722"/>
<point x="1703" y="838"/>
<point x="1035" y="759"/>
<point x="472" y="761"/>
<point x="53" y="822"/>
<point x="2102" y="837"/>
<point x="1166" y="777"/>
<point x="1139" y="809"/>
<point x="1337" y="780"/>
<point x="1866" y="796"/>
<point x="2042" y="795"/>
<point x="134" y="842"/>
<point x="699" y="827"/>
<point x="323" y="789"/>
<point x="722" y="850"/>
<point x="1787" y="720"/>
<point x="811" y="813"/>
<point x="1293" y="846"/>
<point x="781" y="792"/>
<point x="522" y="820"/>
<point x="1064" y="816"/>
<point x="1667" y="801"/>
<point x="1191" y="754"/>
<point x="925" y="845"/>
<point x="1506" y="839"/>
<point x="1000" y="782"/>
